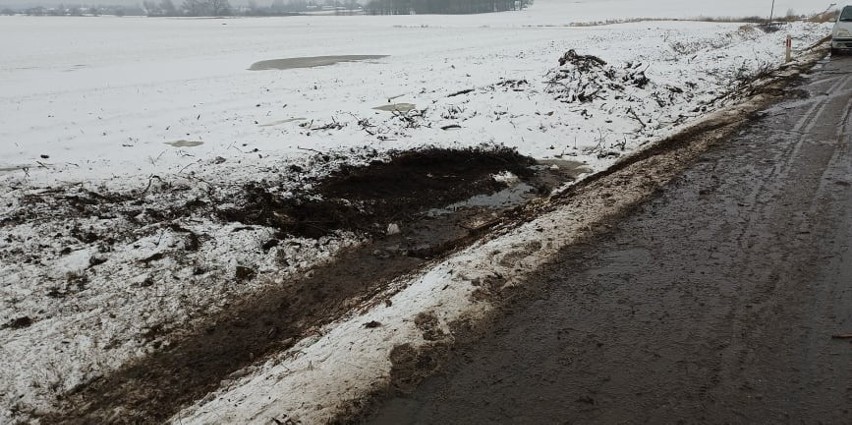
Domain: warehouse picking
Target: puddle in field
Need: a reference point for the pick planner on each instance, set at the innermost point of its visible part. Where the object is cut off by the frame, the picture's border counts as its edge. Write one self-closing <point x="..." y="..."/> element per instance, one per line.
<point x="279" y="122"/>
<point x="512" y="196"/>
<point x="185" y="143"/>
<point x="14" y="168"/>
<point x="75" y="68"/>
<point x="309" y="62"/>
<point x="554" y="172"/>
<point x="548" y="174"/>
<point x="396" y="107"/>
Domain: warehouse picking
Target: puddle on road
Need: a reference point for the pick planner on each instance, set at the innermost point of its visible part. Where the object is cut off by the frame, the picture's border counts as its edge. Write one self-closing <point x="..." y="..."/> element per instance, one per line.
<point x="309" y="62"/>
<point x="396" y="107"/>
<point x="279" y="122"/>
<point x="185" y="143"/>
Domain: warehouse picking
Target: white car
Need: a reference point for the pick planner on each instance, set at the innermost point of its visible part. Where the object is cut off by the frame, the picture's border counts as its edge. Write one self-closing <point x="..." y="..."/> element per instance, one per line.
<point x="841" y="35"/>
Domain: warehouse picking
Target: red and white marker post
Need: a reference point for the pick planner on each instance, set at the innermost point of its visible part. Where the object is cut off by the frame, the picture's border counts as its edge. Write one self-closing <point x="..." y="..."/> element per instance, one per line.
<point x="789" y="49"/>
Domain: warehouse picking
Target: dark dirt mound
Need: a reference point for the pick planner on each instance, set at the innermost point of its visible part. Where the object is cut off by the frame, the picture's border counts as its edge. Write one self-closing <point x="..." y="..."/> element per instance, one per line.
<point x="435" y="174"/>
<point x="366" y="199"/>
<point x="299" y="217"/>
<point x="584" y="63"/>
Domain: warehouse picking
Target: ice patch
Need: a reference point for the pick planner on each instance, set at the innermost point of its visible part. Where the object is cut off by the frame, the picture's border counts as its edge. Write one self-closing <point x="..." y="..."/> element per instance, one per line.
<point x="309" y="62"/>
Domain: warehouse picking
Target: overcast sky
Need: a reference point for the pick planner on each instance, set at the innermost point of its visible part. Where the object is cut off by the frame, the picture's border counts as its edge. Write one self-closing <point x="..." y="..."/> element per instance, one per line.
<point x="781" y="6"/>
<point x="33" y="3"/>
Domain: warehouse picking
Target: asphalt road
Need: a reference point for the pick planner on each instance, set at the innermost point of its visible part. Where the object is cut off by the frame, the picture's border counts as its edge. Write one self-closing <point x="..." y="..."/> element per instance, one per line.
<point x="716" y="302"/>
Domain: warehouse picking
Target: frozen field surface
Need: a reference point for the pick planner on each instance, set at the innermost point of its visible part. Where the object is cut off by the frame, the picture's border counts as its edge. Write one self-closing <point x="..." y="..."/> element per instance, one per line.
<point x="155" y="114"/>
<point x="95" y="98"/>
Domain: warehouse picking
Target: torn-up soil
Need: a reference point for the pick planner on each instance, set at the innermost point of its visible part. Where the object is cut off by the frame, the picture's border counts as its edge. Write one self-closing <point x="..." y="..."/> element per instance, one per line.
<point x="367" y="199"/>
<point x="398" y="203"/>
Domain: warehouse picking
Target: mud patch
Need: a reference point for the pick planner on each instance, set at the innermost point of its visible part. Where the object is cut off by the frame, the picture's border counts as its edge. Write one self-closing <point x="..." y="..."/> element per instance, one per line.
<point x="368" y="199"/>
<point x="488" y="288"/>
<point x="430" y="326"/>
<point x="411" y="365"/>
<point x="309" y="62"/>
<point x="18" y="323"/>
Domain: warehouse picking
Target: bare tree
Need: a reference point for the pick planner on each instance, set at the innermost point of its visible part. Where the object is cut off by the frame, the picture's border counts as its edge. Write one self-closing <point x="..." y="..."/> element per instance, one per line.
<point x="404" y="7"/>
<point x="351" y="5"/>
<point x="206" y="7"/>
<point x="219" y="7"/>
<point x="151" y="8"/>
<point x="195" y="7"/>
<point x="168" y="8"/>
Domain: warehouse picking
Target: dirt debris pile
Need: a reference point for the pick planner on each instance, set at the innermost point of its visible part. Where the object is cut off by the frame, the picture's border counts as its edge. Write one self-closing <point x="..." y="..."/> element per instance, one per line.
<point x="585" y="78"/>
<point x="517" y="85"/>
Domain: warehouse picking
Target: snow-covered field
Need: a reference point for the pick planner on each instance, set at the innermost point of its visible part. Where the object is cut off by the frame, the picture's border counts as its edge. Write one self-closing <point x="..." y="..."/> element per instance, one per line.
<point x="167" y="111"/>
<point x="93" y="98"/>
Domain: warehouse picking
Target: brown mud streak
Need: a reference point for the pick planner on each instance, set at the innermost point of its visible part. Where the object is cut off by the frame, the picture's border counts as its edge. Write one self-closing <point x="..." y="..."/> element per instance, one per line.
<point x="654" y="167"/>
<point x="159" y="385"/>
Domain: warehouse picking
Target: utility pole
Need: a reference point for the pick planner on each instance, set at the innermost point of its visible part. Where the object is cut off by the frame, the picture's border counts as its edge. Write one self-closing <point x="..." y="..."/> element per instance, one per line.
<point x="772" y="12"/>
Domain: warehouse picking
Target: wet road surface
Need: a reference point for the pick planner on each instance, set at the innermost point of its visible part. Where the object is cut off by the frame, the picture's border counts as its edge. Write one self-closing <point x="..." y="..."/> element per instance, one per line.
<point x="716" y="302"/>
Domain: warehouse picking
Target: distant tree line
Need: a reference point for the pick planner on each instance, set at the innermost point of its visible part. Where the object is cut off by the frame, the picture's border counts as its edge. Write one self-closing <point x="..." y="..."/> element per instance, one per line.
<point x="284" y="7"/>
<point x="295" y="7"/>
<point x="187" y="8"/>
<point x="175" y="8"/>
<point x="450" y="7"/>
<point x="62" y="10"/>
<point x="224" y="8"/>
<point x="163" y="8"/>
